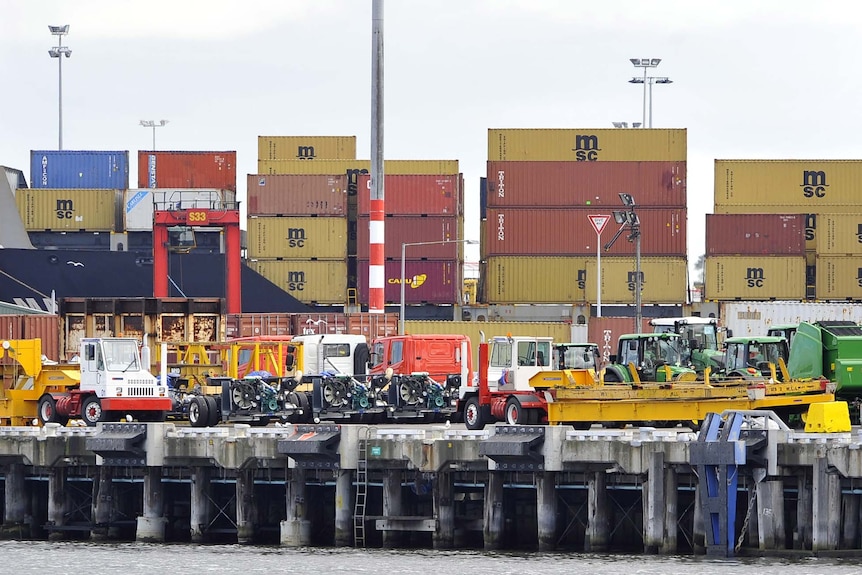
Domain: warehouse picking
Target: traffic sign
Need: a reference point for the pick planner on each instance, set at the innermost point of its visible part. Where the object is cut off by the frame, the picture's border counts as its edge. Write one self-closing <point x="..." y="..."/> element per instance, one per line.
<point x="599" y="222"/>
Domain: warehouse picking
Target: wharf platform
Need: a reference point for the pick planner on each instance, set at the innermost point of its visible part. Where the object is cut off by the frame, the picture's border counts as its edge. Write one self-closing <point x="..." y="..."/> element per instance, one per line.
<point x="739" y="486"/>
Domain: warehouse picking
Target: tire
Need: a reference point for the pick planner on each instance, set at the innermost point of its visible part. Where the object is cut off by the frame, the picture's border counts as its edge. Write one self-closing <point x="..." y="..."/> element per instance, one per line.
<point x="214" y="411"/>
<point x="199" y="411"/>
<point x="91" y="411"/>
<point x="473" y="416"/>
<point x="514" y="412"/>
<point x="47" y="410"/>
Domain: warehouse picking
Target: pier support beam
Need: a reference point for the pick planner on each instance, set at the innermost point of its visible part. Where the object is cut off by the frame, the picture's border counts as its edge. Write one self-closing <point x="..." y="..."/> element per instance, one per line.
<point x="654" y="503"/>
<point x="246" y="511"/>
<point x="492" y="531"/>
<point x="296" y="528"/>
<point x="597" y="535"/>
<point x="546" y="509"/>
<point x="444" y="510"/>
<point x="803" y="532"/>
<point x="393" y="505"/>
<point x="199" y="508"/>
<point x="344" y="508"/>
<point x="58" y="502"/>
<point x="151" y="525"/>
<point x="826" y="507"/>
<point x="671" y="512"/>
<point x="850" y="536"/>
<point x="16" y="502"/>
<point x="103" y="504"/>
<point x="769" y="518"/>
<point x="698" y="525"/>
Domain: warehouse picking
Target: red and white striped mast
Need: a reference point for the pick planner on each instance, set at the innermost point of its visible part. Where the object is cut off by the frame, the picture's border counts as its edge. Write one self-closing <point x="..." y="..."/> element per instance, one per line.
<point x="377" y="259"/>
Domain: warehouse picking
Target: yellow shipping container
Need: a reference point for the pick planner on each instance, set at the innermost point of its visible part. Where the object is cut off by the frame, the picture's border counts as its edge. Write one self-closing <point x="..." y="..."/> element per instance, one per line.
<point x="663" y="280"/>
<point x="839" y="234"/>
<point x="306" y="147"/>
<point x="810" y="186"/>
<point x="608" y="145"/>
<point x="839" y="277"/>
<point x="754" y="278"/>
<point x="92" y="210"/>
<point x="309" y="281"/>
<point x="297" y="237"/>
<point x="355" y="167"/>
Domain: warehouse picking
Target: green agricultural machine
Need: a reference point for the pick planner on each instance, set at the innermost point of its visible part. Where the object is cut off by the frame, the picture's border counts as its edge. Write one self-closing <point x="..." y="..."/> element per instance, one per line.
<point x="699" y="345"/>
<point x="654" y="357"/>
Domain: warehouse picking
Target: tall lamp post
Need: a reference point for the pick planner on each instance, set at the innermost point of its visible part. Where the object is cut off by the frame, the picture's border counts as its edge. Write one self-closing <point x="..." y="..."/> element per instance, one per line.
<point x="404" y="271"/>
<point x="651" y="80"/>
<point x="628" y="220"/>
<point x="644" y="63"/>
<point x="152" y="124"/>
<point x="58" y="52"/>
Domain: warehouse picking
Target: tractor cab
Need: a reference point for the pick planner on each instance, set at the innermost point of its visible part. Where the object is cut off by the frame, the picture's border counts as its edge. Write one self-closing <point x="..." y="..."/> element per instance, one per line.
<point x="514" y="360"/>
<point x="576" y="356"/>
<point x="699" y="345"/>
<point x="656" y="357"/>
<point x="753" y="356"/>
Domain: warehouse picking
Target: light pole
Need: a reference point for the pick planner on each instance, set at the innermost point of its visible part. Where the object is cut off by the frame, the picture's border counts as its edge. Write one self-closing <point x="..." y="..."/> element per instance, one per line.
<point x="644" y="63"/>
<point x="152" y="124"/>
<point x="58" y="52"/>
<point x="651" y="80"/>
<point x="404" y="271"/>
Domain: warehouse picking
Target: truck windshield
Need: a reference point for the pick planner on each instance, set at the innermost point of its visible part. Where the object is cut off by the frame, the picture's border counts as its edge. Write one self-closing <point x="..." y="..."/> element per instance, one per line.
<point x="121" y="355"/>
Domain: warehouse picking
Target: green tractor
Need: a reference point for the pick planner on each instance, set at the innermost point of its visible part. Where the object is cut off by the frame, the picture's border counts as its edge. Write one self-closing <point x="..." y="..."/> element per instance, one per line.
<point x="649" y="357"/>
<point x="699" y="345"/>
<point x="753" y="357"/>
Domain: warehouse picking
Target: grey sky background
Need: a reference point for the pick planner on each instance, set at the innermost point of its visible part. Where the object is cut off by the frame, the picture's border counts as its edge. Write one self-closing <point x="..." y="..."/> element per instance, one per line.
<point x="769" y="79"/>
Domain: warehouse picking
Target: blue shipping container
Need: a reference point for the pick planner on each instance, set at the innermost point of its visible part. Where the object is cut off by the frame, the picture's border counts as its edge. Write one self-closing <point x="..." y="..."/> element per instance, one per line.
<point x="79" y="169"/>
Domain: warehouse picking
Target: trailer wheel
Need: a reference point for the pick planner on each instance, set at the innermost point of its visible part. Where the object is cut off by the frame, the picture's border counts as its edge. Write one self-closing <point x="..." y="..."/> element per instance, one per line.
<point x="215" y="412"/>
<point x="473" y="417"/>
<point x="91" y="411"/>
<point x="199" y="412"/>
<point x="48" y="411"/>
<point x="514" y="412"/>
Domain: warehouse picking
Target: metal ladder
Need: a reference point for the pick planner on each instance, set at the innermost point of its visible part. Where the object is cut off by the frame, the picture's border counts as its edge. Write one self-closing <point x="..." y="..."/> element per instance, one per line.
<point x="361" y="490"/>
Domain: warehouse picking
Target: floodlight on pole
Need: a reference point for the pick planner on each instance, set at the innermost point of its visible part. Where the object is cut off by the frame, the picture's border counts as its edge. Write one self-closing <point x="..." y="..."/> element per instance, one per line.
<point x="403" y="279"/>
<point x="644" y="63"/>
<point x="153" y="124"/>
<point x="59" y="52"/>
<point x="651" y="80"/>
<point x="628" y="220"/>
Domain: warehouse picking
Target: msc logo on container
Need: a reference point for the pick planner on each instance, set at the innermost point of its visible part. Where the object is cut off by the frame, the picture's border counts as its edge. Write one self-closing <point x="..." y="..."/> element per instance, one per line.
<point x="305" y="152"/>
<point x="582" y="279"/>
<point x="65" y="209"/>
<point x="754" y="277"/>
<point x="353" y="179"/>
<point x="295" y="281"/>
<point x="296" y="237"/>
<point x="859" y="233"/>
<point x="632" y="281"/>
<point x="586" y="148"/>
<point x="814" y="184"/>
<point x="810" y="227"/>
<point x="859" y="277"/>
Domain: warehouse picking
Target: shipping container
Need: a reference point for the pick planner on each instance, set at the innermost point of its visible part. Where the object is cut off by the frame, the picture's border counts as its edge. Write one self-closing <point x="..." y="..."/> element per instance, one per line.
<point x="354" y="168"/>
<point x="585" y="184"/>
<point x="746" y="318"/>
<point x="839" y="277"/>
<point x="813" y="185"/>
<point x="840" y="234"/>
<point x="425" y="281"/>
<point x="431" y="195"/>
<point x="258" y="325"/>
<point x="401" y="230"/>
<point x="187" y="170"/>
<point x="587" y="145"/>
<point x="664" y="280"/>
<point x="309" y="281"/>
<point x="568" y="232"/>
<point x="754" y="278"/>
<point x="79" y="169"/>
<point x="306" y="147"/>
<point x="606" y="331"/>
<point x="297" y="238"/>
<point x="483" y="198"/>
<point x="33" y="326"/>
<point x="296" y="195"/>
<point x="755" y="234"/>
<point x="138" y="204"/>
<point x="370" y="325"/>
<point x="92" y="210"/>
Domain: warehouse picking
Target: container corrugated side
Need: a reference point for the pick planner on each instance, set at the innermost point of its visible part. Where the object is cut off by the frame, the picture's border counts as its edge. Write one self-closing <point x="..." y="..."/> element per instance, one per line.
<point x="839" y="234"/>
<point x="72" y="209"/>
<point x="755" y="234"/>
<point x="353" y="168"/>
<point x="370" y="325"/>
<point x="663" y="280"/>
<point x="187" y="169"/>
<point x="37" y="326"/>
<point x="810" y="218"/>
<point x="426" y="281"/>
<point x="754" y="278"/>
<point x="567" y="232"/>
<point x="309" y="281"/>
<point x="79" y="169"/>
<point x="756" y="317"/>
<point x="415" y="229"/>
<point x="306" y="147"/>
<point x="404" y="194"/>
<point x="138" y="204"/>
<point x="296" y="195"/>
<point x="606" y="331"/>
<point x="258" y="324"/>
<point x="812" y="184"/>
<point x="839" y="277"/>
<point x="617" y="145"/>
<point x="297" y="238"/>
<point x="583" y="184"/>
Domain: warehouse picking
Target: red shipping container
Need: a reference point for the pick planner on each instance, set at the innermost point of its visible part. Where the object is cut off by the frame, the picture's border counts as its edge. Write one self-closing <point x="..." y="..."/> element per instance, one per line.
<point x="296" y="195"/>
<point x="567" y="232"/>
<point x="258" y="324"/>
<point x="606" y="331"/>
<point x="428" y="281"/>
<point x="413" y="229"/>
<point x="755" y="234"/>
<point x="42" y="327"/>
<point x="187" y="170"/>
<point x="370" y="325"/>
<point x="578" y="184"/>
<point x="415" y="194"/>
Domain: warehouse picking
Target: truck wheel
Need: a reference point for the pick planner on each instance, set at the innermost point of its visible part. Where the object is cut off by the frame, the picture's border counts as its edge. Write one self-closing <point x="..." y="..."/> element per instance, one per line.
<point x="199" y="413"/>
<point x="91" y="411"/>
<point x="473" y="414"/>
<point x="48" y="411"/>
<point x="514" y="412"/>
<point x="215" y="412"/>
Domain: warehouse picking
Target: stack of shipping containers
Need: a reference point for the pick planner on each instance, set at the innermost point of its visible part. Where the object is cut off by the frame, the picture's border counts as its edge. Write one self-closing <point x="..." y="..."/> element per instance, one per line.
<point x="823" y="195"/>
<point x="537" y="242"/>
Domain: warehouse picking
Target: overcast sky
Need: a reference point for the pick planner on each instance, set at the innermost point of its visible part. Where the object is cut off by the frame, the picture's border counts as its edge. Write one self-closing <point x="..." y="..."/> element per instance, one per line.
<point x="751" y="79"/>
